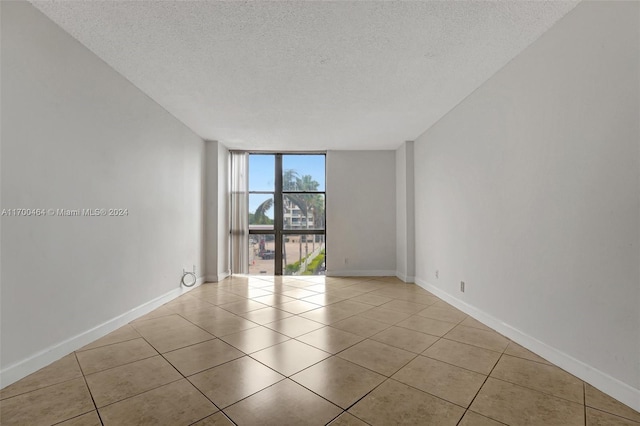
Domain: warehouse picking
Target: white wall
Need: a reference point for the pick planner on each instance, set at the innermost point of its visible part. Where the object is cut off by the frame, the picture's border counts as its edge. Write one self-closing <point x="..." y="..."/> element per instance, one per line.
<point x="223" y="217"/>
<point x="405" y="212"/>
<point x="529" y="191"/>
<point x="75" y="134"/>
<point x="210" y="191"/>
<point x="361" y="224"/>
<point x="216" y="211"/>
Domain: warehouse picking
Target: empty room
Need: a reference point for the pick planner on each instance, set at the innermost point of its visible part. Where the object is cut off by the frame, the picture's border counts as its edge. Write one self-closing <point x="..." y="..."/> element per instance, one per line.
<point x="320" y="213"/>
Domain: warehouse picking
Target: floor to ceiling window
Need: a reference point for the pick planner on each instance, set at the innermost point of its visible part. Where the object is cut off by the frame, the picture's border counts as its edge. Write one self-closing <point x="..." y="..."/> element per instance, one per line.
<point x="286" y="214"/>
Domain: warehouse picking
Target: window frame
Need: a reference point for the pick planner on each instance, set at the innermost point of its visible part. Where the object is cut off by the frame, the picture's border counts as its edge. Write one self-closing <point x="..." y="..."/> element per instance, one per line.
<point x="278" y="205"/>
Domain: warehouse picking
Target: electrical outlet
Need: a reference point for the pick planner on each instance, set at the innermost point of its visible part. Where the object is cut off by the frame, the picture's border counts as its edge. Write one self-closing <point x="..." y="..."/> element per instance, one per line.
<point x="437" y="274"/>
<point x="462" y="286"/>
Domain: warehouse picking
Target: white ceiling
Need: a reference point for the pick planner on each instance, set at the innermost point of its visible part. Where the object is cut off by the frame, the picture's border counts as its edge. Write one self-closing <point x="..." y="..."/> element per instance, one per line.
<point x="307" y="75"/>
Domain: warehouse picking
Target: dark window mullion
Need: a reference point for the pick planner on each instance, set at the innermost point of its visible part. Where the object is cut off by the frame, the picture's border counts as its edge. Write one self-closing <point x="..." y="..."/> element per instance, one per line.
<point x="278" y="215"/>
<point x="278" y="195"/>
<point x="261" y="231"/>
<point x="303" y="231"/>
<point x="302" y="192"/>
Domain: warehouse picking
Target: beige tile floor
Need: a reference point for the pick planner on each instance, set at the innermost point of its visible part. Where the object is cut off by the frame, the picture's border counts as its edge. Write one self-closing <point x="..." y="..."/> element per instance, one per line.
<point x="306" y="351"/>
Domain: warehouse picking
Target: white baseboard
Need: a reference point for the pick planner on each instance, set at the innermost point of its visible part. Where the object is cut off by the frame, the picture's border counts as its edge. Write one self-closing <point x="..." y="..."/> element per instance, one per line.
<point x="361" y="273"/>
<point x="610" y="385"/>
<point x="33" y="363"/>
<point x="217" y="278"/>
<point x="405" y="278"/>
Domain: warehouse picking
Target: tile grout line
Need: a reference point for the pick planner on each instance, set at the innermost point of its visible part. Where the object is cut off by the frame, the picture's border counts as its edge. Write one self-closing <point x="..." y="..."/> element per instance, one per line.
<point x="470" y="344"/>
<point x="634" y="422"/>
<point x="533" y="360"/>
<point x="123" y="364"/>
<point x="452" y="365"/>
<point x="186" y="309"/>
<point x="128" y="363"/>
<point x="603" y="410"/>
<point x="386" y="378"/>
<point x="483" y="383"/>
<point x="140" y="393"/>
<point x="195" y="387"/>
<point x="84" y="378"/>
<point x="40" y="388"/>
<point x="536" y="390"/>
<point x="429" y="393"/>
<point x="108" y="344"/>
<point x="289" y="377"/>
<point x="584" y="400"/>
<point x="248" y="396"/>
<point x="245" y="397"/>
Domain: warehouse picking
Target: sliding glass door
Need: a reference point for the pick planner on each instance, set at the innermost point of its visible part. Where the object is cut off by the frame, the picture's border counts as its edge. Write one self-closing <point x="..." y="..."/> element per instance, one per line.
<point x="286" y="214"/>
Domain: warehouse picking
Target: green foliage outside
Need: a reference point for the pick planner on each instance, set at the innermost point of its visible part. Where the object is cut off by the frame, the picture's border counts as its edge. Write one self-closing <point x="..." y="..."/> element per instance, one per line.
<point x="315" y="264"/>
<point x="307" y="203"/>
<point x="295" y="266"/>
<point x="310" y="205"/>
<point x="311" y="267"/>
<point x="260" y="220"/>
<point x="260" y="216"/>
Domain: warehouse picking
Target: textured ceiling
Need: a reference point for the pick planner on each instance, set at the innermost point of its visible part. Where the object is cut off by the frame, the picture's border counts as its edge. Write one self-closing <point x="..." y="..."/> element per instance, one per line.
<point x="307" y="75"/>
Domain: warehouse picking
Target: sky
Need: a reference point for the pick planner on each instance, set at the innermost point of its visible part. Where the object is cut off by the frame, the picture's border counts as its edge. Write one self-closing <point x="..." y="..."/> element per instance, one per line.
<point x="262" y="173"/>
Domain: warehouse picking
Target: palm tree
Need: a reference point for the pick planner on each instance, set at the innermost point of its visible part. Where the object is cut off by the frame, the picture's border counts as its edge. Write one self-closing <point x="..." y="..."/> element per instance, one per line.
<point x="307" y="183"/>
<point x="316" y="205"/>
<point x="260" y="216"/>
<point x="290" y="180"/>
<point x="307" y="203"/>
<point x="310" y="205"/>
